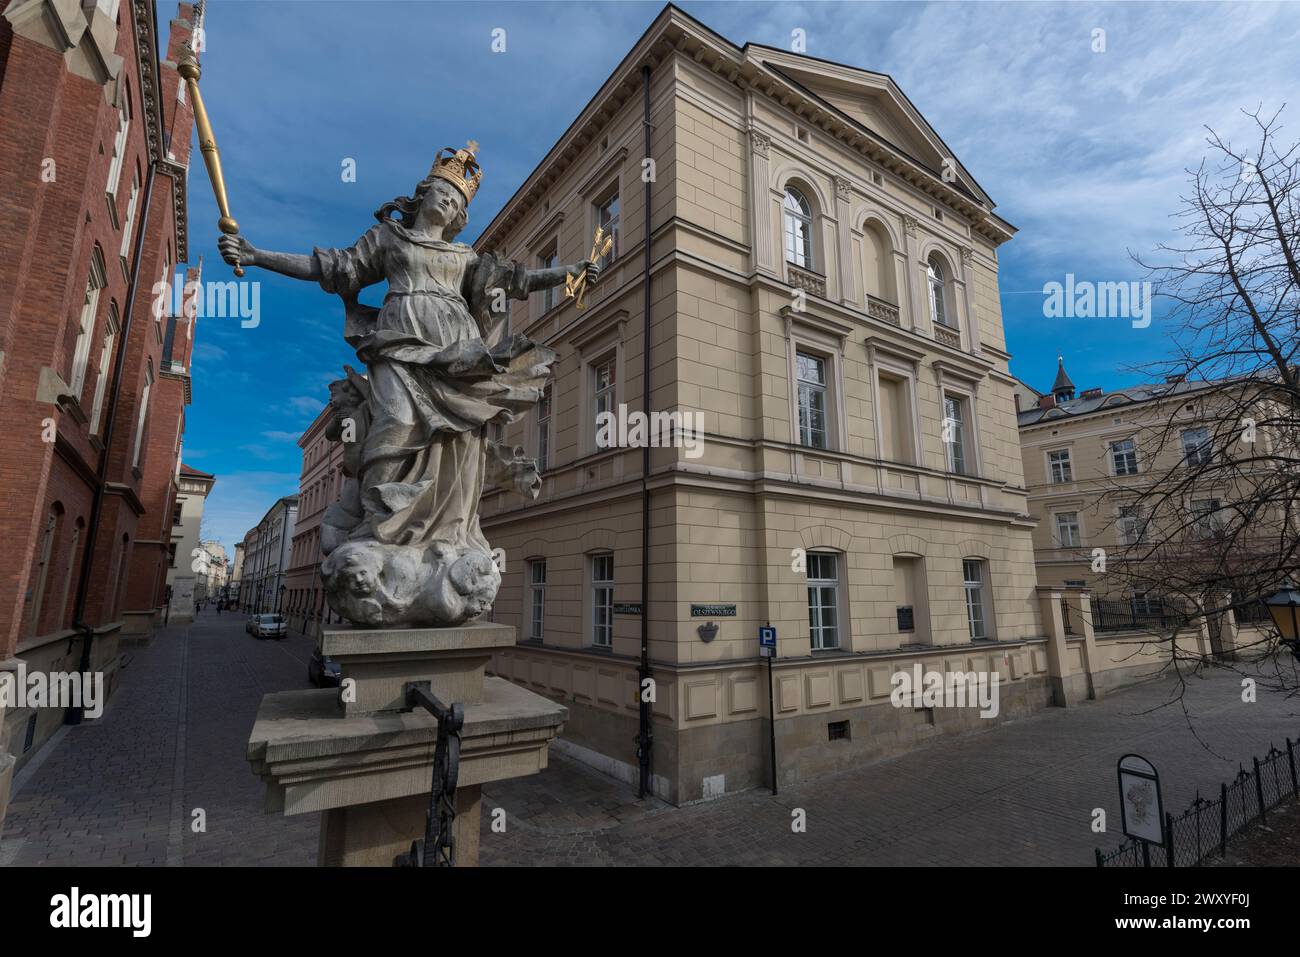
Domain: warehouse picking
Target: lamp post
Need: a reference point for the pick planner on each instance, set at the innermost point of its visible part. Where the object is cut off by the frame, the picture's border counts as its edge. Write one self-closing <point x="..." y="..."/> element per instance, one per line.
<point x="279" y="599"/>
<point x="1284" y="606"/>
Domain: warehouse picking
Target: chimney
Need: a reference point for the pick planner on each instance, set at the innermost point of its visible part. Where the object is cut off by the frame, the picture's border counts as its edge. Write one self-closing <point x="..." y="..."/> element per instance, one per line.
<point x="1047" y="402"/>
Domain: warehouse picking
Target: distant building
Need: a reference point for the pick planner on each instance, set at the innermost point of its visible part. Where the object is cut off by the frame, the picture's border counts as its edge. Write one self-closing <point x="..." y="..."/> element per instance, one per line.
<point x="322" y="479"/>
<point x="211" y="581"/>
<point x="267" y="560"/>
<point x="236" y="572"/>
<point x="188" y="561"/>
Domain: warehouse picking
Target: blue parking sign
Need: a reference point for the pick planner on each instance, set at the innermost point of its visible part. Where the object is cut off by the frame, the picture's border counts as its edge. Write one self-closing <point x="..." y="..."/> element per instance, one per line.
<point x="766" y="640"/>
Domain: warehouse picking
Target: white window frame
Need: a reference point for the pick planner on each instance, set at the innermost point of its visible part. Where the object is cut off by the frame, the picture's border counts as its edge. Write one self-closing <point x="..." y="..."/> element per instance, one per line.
<point x="128" y="224"/>
<point x="1128" y="454"/>
<point x="810" y="388"/>
<point x="119" y="145"/>
<point x="105" y="358"/>
<point x="549" y="260"/>
<point x="143" y="416"/>
<point x="961" y="433"/>
<point x="95" y="283"/>
<point x="818" y="584"/>
<point x="603" y="398"/>
<point x="1200" y="453"/>
<point x="1069" y="529"/>
<point x="602" y="600"/>
<point x="978" y="606"/>
<point x="545" y="411"/>
<point x="1129" y="524"/>
<point x="1066" y="470"/>
<point x="796" y="222"/>
<point x="936" y="282"/>
<point x="611" y="223"/>
<point x="536" y="599"/>
<point x="1208" y="519"/>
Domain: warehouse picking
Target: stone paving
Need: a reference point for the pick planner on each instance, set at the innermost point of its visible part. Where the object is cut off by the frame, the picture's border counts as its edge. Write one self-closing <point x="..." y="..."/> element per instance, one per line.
<point x="124" y="789"/>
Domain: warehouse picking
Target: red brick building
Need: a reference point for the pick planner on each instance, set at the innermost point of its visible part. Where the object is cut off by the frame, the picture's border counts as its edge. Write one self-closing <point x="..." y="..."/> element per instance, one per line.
<point x="93" y="379"/>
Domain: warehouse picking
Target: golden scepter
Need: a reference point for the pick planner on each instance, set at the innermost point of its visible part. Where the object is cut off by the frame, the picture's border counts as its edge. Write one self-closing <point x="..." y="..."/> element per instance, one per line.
<point x="188" y="68"/>
<point x="576" y="287"/>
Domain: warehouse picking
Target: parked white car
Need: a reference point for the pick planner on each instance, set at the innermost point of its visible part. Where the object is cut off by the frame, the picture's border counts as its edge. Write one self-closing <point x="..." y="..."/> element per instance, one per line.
<point x="269" y="626"/>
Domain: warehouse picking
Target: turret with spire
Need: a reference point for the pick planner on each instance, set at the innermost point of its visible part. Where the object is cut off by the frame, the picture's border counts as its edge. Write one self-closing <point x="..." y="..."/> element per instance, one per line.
<point x="1062" y="388"/>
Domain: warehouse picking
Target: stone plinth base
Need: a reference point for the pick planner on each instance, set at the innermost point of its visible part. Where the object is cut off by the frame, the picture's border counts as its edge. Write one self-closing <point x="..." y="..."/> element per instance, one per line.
<point x="380" y="662"/>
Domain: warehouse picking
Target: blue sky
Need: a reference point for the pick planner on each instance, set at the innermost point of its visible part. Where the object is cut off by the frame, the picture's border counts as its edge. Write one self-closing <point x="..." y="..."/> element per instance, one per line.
<point x="1085" y="152"/>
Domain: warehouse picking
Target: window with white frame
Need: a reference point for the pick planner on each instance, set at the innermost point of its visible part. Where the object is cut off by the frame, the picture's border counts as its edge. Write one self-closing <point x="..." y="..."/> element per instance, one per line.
<point x="86" y="327"/>
<point x="935" y="280"/>
<point x="604" y="385"/>
<point x="1196" y="446"/>
<point x="607" y="218"/>
<point x="143" y="416"/>
<point x="602" y="600"/>
<point x="798" y="228"/>
<point x="105" y="358"/>
<point x="1131" y="525"/>
<point x="544" y="430"/>
<point x="1060" y="466"/>
<point x="1123" y="457"/>
<point x="823" y="600"/>
<point x="973" y="582"/>
<point x="537" y="599"/>
<point x="810" y="371"/>
<point x="119" y="144"/>
<point x="128" y="225"/>
<point x="955" y="433"/>
<point x="1207" y="516"/>
<point x="549" y="260"/>
<point x="1067" y="530"/>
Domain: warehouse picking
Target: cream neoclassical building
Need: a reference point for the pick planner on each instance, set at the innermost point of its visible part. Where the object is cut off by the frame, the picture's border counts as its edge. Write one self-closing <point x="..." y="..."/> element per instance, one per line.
<point x="823" y="292"/>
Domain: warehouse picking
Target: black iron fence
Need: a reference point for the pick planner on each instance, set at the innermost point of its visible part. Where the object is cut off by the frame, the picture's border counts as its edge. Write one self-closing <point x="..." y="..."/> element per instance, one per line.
<point x="1207" y="825"/>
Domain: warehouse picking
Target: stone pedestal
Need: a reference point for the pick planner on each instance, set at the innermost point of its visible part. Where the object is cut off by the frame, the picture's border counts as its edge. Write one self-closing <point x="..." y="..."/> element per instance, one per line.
<point x="353" y="755"/>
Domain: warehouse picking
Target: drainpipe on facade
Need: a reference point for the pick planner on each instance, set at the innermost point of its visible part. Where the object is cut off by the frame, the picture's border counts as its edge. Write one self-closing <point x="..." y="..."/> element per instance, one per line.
<point x="645" y="738"/>
<point x="74" y="715"/>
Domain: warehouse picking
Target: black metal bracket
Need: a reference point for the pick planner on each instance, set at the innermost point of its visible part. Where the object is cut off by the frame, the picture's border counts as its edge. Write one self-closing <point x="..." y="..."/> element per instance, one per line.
<point x="438" y="849"/>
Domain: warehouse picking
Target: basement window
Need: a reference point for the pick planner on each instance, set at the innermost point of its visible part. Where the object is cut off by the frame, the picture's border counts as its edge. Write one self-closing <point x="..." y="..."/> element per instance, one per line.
<point x="837" y="731"/>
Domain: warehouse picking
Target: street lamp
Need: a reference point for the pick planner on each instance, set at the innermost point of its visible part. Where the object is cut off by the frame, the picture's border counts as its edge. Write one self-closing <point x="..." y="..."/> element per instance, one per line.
<point x="1285" y="609"/>
<point x="279" y="598"/>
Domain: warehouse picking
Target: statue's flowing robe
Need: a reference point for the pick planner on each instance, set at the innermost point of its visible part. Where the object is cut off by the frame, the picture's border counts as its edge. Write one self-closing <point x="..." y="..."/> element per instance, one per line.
<point x="440" y="369"/>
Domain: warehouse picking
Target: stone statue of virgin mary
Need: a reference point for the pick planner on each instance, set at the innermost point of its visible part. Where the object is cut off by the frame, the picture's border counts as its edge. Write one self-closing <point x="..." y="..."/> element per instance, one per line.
<point x="403" y="544"/>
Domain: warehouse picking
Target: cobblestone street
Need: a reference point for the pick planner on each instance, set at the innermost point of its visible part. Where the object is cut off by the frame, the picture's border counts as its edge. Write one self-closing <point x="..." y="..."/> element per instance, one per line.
<point x="124" y="789"/>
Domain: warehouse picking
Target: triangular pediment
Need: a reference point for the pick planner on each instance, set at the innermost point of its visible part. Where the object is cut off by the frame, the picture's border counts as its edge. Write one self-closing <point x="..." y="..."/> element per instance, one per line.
<point x="873" y="101"/>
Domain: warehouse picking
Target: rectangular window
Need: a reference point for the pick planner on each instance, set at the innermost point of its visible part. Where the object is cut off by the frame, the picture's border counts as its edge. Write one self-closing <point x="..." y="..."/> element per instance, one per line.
<point x="124" y="252"/>
<point x="1196" y="446"/>
<point x="973" y="582"/>
<point x="1130" y="525"/>
<point x="1062" y="470"/>
<point x="1123" y="456"/>
<point x="537" y="604"/>
<point x="607" y="217"/>
<point x="143" y="417"/>
<point x="602" y="601"/>
<point x="603" y="385"/>
<point x="1067" y="530"/>
<point x="176" y="513"/>
<point x="119" y="147"/>
<point x="544" y="431"/>
<point x="549" y="260"/>
<point x="823" y="601"/>
<point x="86" y="328"/>
<point x="954" y="433"/>
<point x="105" y="358"/>
<point x="1206" y="516"/>
<point x="811" y="374"/>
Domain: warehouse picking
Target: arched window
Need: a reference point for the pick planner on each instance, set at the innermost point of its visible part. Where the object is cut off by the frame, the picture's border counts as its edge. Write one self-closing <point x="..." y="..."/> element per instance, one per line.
<point x="798" y="229"/>
<point x="935" y="279"/>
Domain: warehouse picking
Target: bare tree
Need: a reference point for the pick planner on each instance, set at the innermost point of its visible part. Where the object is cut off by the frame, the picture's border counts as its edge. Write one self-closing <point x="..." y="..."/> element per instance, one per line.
<point x="1213" y="525"/>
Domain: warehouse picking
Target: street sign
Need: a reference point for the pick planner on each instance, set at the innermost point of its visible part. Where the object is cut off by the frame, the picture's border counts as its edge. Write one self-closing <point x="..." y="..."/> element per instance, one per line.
<point x="627" y="608"/>
<point x="713" y="611"/>
<point x="766" y="641"/>
<point x="1141" y="808"/>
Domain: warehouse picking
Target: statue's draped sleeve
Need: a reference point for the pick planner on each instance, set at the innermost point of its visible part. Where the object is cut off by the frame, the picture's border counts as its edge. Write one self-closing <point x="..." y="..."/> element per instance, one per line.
<point x="347" y="271"/>
<point x="485" y="275"/>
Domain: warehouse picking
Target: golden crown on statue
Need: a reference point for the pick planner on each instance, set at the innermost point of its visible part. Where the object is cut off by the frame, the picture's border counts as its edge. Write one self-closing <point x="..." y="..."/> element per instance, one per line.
<point x="460" y="168"/>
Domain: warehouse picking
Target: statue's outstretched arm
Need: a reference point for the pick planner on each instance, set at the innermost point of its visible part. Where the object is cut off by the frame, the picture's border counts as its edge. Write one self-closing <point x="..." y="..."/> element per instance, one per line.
<point x="546" y="278"/>
<point x="238" y="249"/>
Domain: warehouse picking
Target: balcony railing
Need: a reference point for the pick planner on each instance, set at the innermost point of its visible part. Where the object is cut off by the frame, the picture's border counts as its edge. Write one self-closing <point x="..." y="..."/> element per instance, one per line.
<point x="879" y="309"/>
<point x="805" y="279"/>
<point x="946" y="335"/>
